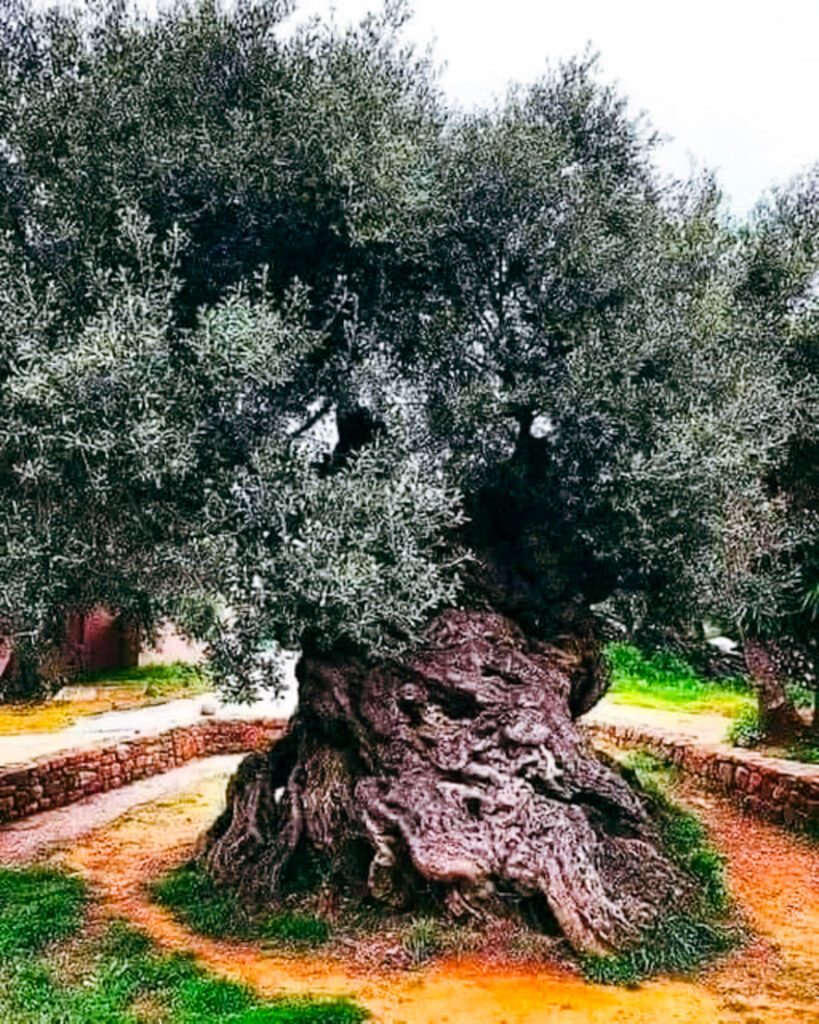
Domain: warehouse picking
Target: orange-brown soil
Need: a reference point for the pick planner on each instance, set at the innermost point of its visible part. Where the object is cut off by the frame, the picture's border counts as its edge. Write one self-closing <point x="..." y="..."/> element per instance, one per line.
<point x="774" y="980"/>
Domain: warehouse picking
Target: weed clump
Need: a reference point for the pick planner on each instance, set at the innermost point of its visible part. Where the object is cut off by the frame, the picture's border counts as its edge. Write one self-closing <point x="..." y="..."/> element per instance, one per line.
<point x="422" y="939"/>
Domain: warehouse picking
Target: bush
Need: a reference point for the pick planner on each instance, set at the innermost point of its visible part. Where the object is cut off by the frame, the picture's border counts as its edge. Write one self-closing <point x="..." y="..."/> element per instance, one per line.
<point x="746" y="730"/>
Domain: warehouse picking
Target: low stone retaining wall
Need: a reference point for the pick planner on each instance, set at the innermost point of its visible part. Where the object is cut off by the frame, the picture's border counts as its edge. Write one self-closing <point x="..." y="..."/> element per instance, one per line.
<point x="782" y="791"/>
<point x="55" y="780"/>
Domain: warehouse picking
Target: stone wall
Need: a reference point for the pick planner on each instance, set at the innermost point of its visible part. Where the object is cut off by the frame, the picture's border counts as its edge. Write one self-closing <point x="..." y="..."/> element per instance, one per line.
<point x="786" y="792"/>
<point x="56" y="780"/>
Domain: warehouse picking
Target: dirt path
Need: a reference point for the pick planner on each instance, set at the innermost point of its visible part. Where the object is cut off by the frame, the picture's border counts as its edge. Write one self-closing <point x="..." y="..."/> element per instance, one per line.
<point x="700" y="726"/>
<point x="774" y="981"/>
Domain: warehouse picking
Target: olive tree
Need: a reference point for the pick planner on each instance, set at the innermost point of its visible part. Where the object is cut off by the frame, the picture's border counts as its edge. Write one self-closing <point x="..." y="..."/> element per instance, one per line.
<point x="320" y="364"/>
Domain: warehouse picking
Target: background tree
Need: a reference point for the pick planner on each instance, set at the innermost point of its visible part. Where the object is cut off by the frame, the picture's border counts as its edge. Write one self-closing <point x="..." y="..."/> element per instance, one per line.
<point x="772" y="582"/>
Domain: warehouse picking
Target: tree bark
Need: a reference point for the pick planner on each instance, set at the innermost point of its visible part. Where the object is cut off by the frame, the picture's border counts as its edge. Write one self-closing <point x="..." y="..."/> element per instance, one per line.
<point x="458" y="781"/>
<point x="779" y="720"/>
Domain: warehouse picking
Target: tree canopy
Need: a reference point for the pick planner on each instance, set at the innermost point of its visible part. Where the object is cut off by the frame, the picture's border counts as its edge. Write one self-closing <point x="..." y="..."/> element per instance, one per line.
<point x="295" y="353"/>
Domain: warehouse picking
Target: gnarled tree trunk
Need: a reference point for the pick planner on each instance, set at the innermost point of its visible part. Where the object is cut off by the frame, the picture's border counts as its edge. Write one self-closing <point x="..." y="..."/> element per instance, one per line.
<point x="458" y="779"/>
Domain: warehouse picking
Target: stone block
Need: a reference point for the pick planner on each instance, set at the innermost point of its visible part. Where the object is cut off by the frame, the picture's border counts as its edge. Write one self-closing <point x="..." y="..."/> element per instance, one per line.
<point x="725" y="774"/>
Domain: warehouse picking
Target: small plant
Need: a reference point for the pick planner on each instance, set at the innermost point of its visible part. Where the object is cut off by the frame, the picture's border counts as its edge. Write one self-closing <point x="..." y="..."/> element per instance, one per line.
<point x="421" y="939"/>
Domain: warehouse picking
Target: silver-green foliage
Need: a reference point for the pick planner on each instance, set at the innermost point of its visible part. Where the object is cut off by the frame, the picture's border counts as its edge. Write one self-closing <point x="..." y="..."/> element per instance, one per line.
<point x="215" y="244"/>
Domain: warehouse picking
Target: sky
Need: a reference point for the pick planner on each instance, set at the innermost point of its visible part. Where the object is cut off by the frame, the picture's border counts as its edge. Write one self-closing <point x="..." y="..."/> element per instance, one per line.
<point x="733" y="84"/>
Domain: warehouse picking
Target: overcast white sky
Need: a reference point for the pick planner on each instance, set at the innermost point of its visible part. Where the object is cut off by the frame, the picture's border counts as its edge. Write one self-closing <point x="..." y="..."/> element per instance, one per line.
<point x="734" y="82"/>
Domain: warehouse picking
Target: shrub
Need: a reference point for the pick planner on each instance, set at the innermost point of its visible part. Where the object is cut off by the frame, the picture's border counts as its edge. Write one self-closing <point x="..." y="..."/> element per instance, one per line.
<point x="746" y="730"/>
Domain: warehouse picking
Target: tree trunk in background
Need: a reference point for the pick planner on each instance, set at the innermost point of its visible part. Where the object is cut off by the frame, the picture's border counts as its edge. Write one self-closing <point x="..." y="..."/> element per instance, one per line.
<point x="778" y="718"/>
<point x="457" y="781"/>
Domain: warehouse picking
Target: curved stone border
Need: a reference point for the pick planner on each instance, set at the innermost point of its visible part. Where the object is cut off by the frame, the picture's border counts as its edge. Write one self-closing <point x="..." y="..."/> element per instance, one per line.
<point x="55" y="780"/>
<point x="786" y="792"/>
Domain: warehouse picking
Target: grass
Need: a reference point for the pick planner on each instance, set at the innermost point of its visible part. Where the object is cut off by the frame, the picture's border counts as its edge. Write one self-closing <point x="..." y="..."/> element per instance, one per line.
<point x="692" y="935"/>
<point x="109" y="689"/>
<point x="51" y="974"/>
<point x="395" y="939"/>
<point x="190" y="894"/>
<point x="38" y="906"/>
<point x="667" y="682"/>
<point x="679" y="945"/>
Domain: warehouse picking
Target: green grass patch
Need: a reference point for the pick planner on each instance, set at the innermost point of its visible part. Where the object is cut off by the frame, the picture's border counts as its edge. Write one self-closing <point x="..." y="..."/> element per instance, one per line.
<point x="294" y="929"/>
<point x="38" y="906"/>
<point x="665" y="681"/>
<point x="807" y="752"/>
<point x="190" y="894"/>
<point x="679" y="945"/>
<point x="690" y="936"/>
<point x="117" y="977"/>
<point x="152" y="680"/>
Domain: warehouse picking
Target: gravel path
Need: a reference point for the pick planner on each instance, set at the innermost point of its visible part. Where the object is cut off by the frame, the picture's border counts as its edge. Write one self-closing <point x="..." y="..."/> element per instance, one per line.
<point x="28" y="839"/>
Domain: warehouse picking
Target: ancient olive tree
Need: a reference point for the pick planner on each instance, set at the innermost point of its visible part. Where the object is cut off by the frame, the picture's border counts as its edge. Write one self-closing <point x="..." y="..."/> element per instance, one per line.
<point x="318" y="365"/>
